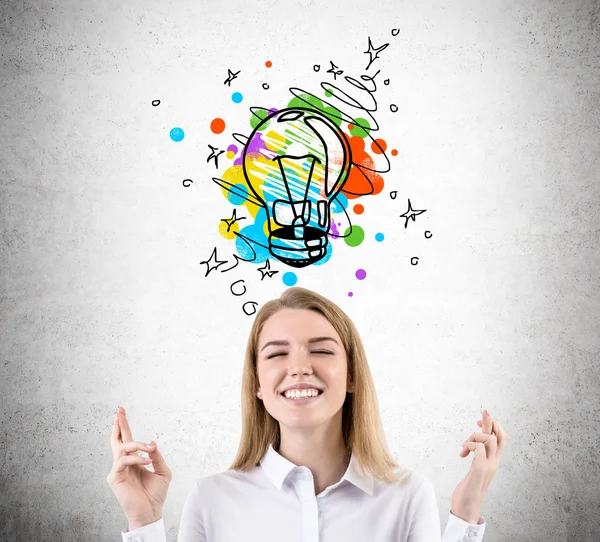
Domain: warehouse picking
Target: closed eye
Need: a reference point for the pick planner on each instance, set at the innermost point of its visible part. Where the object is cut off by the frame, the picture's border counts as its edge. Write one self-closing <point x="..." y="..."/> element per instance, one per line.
<point x="284" y="353"/>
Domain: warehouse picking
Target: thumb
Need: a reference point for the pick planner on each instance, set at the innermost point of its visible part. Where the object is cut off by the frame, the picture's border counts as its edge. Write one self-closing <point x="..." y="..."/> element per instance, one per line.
<point x="158" y="461"/>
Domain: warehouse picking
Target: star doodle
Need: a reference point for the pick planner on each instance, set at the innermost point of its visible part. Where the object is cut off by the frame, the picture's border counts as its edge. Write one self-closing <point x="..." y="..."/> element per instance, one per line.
<point x="266" y="270"/>
<point x="231" y="221"/>
<point x="230" y="77"/>
<point x="411" y="213"/>
<point x="213" y="155"/>
<point x="373" y="52"/>
<point x="334" y="70"/>
<point x="212" y="261"/>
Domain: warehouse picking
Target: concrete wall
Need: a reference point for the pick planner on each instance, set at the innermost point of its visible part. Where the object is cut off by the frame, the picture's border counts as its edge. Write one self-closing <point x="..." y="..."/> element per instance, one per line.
<point x="104" y="301"/>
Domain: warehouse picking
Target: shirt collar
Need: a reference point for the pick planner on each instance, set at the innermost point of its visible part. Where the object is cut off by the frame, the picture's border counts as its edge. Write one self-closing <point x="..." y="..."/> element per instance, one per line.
<point x="278" y="467"/>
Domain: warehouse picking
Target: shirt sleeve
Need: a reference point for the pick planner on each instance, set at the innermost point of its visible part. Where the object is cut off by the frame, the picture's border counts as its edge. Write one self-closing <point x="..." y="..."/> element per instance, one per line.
<point x="153" y="532"/>
<point x="460" y="530"/>
<point x="191" y="526"/>
<point x="426" y="523"/>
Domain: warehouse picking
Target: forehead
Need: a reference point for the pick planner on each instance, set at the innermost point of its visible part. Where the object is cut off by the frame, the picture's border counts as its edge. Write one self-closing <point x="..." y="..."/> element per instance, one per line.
<point x="298" y="324"/>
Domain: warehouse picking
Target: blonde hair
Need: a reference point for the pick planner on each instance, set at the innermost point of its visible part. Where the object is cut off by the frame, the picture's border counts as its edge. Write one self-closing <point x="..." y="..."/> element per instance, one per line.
<point x="361" y="423"/>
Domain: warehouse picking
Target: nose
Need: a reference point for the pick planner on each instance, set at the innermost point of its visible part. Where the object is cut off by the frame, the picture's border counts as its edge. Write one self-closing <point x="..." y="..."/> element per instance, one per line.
<point x="300" y="362"/>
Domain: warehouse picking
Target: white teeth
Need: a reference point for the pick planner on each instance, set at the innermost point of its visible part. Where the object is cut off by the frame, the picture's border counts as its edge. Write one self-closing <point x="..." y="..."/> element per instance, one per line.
<point x="301" y="394"/>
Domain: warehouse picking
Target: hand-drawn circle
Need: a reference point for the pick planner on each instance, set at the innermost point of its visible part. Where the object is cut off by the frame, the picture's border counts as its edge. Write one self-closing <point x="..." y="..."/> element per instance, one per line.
<point x="189" y="183"/>
<point x="254" y="303"/>
<point x="265" y="86"/>
<point x="316" y="67"/>
<point x="155" y="102"/>
<point x="427" y="236"/>
<point x="386" y="82"/>
<point x="393" y="194"/>
<point x="393" y="108"/>
<point x="414" y="260"/>
<point x="233" y="284"/>
<point x="395" y="31"/>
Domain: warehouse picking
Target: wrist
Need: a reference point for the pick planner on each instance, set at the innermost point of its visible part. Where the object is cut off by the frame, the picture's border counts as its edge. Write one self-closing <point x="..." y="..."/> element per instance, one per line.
<point x="142" y="523"/>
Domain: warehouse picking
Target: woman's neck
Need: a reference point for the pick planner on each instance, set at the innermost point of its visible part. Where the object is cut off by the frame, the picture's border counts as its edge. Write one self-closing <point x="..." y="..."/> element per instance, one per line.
<point x="326" y="460"/>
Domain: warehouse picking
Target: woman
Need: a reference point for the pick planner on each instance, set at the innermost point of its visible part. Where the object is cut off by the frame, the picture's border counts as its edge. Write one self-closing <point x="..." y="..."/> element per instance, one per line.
<point x="312" y="465"/>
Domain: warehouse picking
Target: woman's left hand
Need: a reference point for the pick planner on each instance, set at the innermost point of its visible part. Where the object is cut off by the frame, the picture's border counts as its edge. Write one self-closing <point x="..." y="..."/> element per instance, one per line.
<point x="487" y="448"/>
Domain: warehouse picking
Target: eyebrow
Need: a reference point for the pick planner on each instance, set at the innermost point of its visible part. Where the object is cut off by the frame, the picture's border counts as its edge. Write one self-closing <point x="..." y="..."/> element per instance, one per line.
<point x="310" y="341"/>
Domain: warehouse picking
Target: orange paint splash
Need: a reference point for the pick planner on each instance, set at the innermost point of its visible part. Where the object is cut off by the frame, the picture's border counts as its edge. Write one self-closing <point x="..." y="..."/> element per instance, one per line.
<point x="217" y="126"/>
<point x="360" y="180"/>
<point x="378" y="146"/>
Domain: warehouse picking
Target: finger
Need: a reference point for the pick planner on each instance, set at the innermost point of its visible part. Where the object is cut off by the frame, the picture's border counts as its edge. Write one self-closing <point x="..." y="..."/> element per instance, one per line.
<point x="114" y="437"/>
<point x="134" y="446"/>
<point x="502" y="437"/>
<point x="159" y="463"/>
<point x="495" y="426"/>
<point x="125" y="429"/>
<point x="489" y="442"/>
<point x="128" y="460"/>
<point x="487" y="421"/>
<point x="478" y="449"/>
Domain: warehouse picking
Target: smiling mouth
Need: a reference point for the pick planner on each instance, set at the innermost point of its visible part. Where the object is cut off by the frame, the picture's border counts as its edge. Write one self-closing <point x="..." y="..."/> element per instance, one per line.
<point x="302" y="400"/>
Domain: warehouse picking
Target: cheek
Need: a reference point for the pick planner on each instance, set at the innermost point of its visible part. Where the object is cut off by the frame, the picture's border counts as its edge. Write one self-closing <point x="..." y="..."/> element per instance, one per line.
<point x="270" y="378"/>
<point x="335" y="375"/>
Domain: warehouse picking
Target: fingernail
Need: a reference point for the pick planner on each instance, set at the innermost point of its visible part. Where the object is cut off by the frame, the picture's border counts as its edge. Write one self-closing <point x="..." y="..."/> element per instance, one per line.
<point x="150" y="446"/>
<point x="463" y="444"/>
<point x="487" y="412"/>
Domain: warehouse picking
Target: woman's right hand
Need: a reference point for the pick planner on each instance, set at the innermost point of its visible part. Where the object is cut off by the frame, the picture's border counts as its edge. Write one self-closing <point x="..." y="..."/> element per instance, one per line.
<point x="140" y="492"/>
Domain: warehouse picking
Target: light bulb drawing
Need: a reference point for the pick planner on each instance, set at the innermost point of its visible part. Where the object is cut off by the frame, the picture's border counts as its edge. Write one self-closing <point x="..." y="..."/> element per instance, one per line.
<point x="295" y="162"/>
<point x="300" y="172"/>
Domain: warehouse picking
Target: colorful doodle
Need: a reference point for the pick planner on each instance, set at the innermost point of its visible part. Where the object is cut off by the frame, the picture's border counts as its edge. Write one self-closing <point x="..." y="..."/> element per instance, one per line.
<point x="294" y="175"/>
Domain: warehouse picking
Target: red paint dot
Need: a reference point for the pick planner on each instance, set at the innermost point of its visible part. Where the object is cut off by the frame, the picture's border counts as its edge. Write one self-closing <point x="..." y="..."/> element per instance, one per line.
<point x="268" y="63"/>
<point x="394" y="152"/>
<point x="350" y="126"/>
<point x="378" y="146"/>
<point x="359" y="209"/>
<point x="217" y="126"/>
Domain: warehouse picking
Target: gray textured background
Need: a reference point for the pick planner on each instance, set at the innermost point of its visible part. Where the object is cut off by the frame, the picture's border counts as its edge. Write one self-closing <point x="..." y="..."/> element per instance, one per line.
<point x="103" y="301"/>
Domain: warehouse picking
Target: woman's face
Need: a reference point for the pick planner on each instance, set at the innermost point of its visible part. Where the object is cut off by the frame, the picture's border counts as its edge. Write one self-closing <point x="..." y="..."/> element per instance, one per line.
<point x="300" y="358"/>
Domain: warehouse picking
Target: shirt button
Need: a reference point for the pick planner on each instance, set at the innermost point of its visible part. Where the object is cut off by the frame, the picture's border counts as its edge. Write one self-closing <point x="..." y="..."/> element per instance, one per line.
<point x="472" y="534"/>
<point x="136" y="538"/>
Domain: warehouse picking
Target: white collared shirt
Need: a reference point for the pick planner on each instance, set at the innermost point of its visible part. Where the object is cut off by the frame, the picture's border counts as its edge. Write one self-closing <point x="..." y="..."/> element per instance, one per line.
<point x="276" y="501"/>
